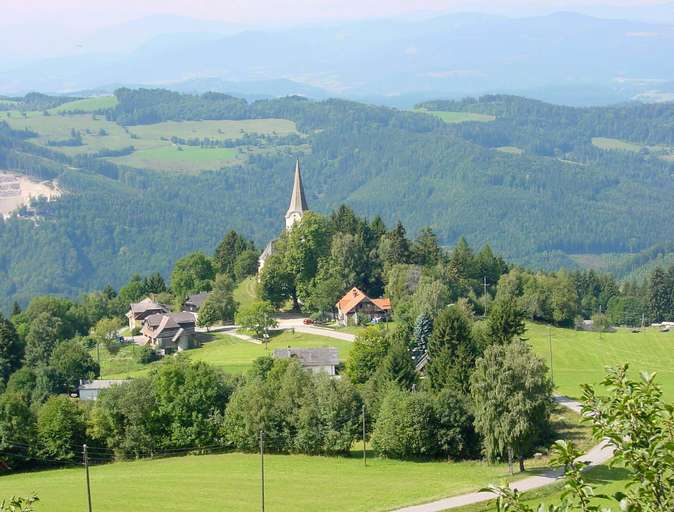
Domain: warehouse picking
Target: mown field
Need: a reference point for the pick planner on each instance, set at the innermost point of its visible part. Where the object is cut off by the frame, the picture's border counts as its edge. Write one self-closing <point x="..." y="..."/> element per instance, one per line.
<point x="581" y="357"/>
<point x="459" y="117"/>
<point x="231" y="354"/>
<point x="293" y="482"/>
<point x="152" y="147"/>
<point x="665" y="152"/>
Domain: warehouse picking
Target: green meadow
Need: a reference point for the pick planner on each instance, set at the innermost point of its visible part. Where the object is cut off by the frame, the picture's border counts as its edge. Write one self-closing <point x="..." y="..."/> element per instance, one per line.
<point x="223" y="351"/>
<point x="152" y="147"/>
<point x="459" y="117"/>
<point x="664" y="152"/>
<point x="231" y="481"/>
<point x="581" y="357"/>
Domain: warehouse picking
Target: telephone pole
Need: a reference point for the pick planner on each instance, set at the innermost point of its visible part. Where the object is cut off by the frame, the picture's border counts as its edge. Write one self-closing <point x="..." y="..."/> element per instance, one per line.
<point x="364" y="443"/>
<point x="262" y="468"/>
<point x="86" y="470"/>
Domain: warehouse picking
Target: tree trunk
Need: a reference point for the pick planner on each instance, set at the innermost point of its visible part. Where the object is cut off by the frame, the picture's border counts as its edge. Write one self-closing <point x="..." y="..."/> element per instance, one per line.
<point x="522" y="462"/>
<point x="510" y="460"/>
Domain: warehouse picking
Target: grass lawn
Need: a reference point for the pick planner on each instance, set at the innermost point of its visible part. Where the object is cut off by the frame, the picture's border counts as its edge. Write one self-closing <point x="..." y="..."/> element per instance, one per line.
<point x="178" y="158"/>
<point x="223" y="351"/>
<point x="245" y="292"/>
<point x="459" y="117"/>
<point x="87" y="104"/>
<point x="512" y="150"/>
<point x="580" y="357"/>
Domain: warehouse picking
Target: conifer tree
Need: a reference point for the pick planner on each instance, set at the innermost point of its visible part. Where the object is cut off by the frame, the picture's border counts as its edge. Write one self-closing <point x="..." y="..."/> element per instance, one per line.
<point x="423" y="328"/>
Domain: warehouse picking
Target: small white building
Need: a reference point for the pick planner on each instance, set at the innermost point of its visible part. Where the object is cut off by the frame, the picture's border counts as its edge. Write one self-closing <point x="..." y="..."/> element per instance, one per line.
<point x="90" y="389"/>
<point x="316" y="360"/>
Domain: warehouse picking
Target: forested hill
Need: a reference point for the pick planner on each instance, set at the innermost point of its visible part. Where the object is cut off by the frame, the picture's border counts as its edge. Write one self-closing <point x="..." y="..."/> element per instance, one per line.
<point x="536" y="181"/>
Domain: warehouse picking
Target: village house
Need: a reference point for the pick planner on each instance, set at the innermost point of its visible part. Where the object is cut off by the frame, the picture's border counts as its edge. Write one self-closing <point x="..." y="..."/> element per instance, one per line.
<point x="316" y="360"/>
<point x="90" y="389"/>
<point x="356" y="307"/>
<point x="193" y="302"/>
<point x="141" y="310"/>
<point x="170" y="332"/>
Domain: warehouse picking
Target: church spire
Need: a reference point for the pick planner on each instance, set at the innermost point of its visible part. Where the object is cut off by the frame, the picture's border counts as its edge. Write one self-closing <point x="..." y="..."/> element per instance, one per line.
<point x="298" y="203"/>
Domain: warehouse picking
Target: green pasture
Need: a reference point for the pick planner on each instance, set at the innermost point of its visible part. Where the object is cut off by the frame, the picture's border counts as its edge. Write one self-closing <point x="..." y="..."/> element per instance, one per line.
<point x="663" y="151"/>
<point x="246" y="292"/>
<point x="87" y="104"/>
<point x="512" y="150"/>
<point x="459" y="117"/>
<point x="581" y="357"/>
<point x="231" y="482"/>
<point x="152" y="146"/>
<point x="229" y="353"/>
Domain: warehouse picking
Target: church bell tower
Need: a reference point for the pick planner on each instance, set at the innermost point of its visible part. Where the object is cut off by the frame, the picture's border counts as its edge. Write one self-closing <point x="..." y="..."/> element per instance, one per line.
<point x="298" y="203"/>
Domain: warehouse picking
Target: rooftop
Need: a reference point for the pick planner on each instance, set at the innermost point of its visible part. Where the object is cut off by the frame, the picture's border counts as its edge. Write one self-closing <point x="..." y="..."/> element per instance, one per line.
<point x="326" y="356"/>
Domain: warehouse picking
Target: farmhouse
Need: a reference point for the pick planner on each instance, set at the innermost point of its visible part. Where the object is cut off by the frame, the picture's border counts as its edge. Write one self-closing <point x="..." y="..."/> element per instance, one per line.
<point x="296" y="210"/>
<point x="316" y="360"/>
<point x="170" y="332"/>
<point x="90" y="389"/>
<point x="139" y="311"/>
<point x="356" y="307"/>
<point x="193" y="302"/>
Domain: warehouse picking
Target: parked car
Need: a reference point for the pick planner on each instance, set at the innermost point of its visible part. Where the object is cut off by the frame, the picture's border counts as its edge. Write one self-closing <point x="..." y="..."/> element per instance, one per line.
<point x="307" y="321"/>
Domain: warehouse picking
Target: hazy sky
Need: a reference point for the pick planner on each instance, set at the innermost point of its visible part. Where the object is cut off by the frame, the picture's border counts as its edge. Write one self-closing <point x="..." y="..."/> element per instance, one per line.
<point x="104" y="12"/>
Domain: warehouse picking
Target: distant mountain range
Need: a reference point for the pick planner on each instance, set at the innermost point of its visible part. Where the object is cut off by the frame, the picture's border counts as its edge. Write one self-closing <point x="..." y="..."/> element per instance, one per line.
<point x="564" y="57"/>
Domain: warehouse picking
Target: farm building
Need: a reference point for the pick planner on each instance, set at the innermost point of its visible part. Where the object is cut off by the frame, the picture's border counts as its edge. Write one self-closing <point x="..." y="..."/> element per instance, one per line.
<point x="317" y="360"/>
<point x="90" y="389"/>
<point x="193" y="302"/>
<point x="139" y="311"/>
<point x="170" y="332"/>
<point x="356" y="307"/>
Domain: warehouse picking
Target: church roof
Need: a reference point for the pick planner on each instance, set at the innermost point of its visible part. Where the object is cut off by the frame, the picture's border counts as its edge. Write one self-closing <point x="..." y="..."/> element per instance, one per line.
<point x="298" y="203"/>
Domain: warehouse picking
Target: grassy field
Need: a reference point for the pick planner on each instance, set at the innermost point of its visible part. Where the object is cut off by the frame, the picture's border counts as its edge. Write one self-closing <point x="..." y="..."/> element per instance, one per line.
<point x="459" y="117"/>
<point x="152" y="147"/>
<point x="87" y="104"/>
<point x="245" y="293"/>
<point x="512" y="150"/>
<point x="223" y="351"/>
<point x="231" y="482"/>
<point x="665" y="152"/>
<point x="580" y="357"/>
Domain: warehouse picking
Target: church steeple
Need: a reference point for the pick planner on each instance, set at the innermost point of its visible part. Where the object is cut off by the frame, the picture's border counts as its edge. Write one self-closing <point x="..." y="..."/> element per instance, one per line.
<point x="298" y="203"/>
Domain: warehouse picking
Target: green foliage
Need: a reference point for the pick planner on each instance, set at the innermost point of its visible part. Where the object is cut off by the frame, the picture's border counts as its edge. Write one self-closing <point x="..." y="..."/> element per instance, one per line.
<point x="233" y="246"/>
<point x="17" y="504"/>
<point x="505" y="321"/>
<point x="405" y="426"/>
<point x="72" y="362"/>
<point x="44" y="333"/>
<point x="369" y="350"/>
<point x="398" y="366"/>
<point x="219" y="306"/>
<point x="423" y="328"/>
<point x="192" y="274"/>
<point x="245" y="265"/>
<point x="257" y="317"/>
<point x="512" y="399"/>
<point x="61" y="429"/>
<point x="11" y="349"/>
<point x="17" y="429"/>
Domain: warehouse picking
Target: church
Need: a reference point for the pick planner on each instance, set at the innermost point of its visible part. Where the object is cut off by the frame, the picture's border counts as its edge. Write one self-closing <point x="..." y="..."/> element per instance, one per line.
<point x="298" y="206"/>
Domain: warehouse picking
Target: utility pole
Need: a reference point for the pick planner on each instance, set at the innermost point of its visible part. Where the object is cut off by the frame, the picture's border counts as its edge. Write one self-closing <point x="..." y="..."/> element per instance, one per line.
<point x="364" y="443"/>
<point x="552" y="373"/>
<point x="98" y="353"/>
<point x="86" y="470"/>
<point x="262" y="468"/>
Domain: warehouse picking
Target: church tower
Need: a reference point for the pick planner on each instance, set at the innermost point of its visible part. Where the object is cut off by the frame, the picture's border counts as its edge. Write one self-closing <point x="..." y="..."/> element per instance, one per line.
<point x="298" y="203"/>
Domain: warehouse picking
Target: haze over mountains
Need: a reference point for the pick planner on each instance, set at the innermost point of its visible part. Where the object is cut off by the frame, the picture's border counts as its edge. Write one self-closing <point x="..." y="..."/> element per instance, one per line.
<point x="562" y="57"/>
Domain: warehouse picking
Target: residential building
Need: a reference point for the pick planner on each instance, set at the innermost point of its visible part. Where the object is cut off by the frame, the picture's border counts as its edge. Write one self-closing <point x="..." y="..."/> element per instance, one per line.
<point x="170" y="332"/>
<point x="139" y="311"/>
<point x="316" y="360"/>
<point x="90" y="389"/>
<point x="356" y="307"/>
<point x="296" y="210"/>
<point x="193" y="302"/>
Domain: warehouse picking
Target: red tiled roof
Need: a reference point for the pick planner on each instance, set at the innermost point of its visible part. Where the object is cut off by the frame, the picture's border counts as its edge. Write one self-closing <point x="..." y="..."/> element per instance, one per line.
<point x="354" y="297"/>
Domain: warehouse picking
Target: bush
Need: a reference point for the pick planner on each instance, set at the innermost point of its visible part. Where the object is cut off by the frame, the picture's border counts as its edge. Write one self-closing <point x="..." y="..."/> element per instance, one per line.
<point x="146" y="355"/>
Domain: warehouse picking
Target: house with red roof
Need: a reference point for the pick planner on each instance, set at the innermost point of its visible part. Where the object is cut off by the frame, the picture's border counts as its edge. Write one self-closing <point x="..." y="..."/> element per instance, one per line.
<point x="356" y="307"/>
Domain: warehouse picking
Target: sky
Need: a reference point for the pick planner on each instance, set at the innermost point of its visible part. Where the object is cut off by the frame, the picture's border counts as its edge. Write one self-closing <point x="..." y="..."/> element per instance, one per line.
<point x="35" y="29"/>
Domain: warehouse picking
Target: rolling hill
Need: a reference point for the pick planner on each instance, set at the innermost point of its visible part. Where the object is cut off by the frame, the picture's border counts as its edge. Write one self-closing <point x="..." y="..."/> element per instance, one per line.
<point x="525" y="177"/>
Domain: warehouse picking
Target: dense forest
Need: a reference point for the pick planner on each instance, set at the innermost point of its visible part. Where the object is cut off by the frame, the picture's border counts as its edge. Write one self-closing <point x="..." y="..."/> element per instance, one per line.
<point x="560" y="196"/>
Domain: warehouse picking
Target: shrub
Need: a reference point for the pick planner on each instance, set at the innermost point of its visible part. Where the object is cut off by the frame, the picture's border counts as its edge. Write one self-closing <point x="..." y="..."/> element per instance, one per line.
<point x="146" y="355"/>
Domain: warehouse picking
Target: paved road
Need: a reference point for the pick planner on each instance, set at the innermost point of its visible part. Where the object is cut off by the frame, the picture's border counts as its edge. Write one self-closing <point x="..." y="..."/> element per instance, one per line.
<point x="597" y="455"/>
